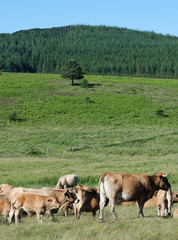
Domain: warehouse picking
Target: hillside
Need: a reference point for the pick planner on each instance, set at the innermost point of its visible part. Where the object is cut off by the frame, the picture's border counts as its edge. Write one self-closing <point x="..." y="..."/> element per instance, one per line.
<point x="47" y="111"/>
<point x="99" y="50"/>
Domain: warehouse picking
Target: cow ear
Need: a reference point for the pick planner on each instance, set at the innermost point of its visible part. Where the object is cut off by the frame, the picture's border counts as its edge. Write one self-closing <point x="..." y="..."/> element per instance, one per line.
<point x="66" y="194"/>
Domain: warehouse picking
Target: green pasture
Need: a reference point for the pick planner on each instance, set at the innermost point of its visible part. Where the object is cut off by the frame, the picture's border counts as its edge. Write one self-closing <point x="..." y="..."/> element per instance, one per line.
<point x="49" y="128"/>
<point x="128" y="226"/>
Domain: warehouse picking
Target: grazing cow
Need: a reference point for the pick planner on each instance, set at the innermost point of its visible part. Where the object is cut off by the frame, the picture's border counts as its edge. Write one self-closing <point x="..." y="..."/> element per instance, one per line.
<point x="175" y="197"/>
<point x="5" y="208"/>
<point x="5" y="187"/>
<point x="67" y="181"/>
<point x="164" y="202"/>
<point x="129" y="187"/>
<point x="31" y="203"/>
<point x="175" y="214"/>
<point x="65" y="198"/>
<point x="89" y="200"/>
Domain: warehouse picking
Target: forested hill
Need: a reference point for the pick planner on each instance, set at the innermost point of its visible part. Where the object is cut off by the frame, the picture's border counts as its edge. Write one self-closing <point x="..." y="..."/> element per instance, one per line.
<point x="98" y="49"/>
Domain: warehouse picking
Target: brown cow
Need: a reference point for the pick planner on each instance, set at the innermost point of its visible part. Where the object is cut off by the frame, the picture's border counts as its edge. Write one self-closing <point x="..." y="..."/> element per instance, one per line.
<point x="5" y="187"/>
<point x="31" y="203"/>
<point x="129" y="187"/>
<point x="175" y="214"/>
<point x="89" y="200"/>
<point x="5" y="208"/>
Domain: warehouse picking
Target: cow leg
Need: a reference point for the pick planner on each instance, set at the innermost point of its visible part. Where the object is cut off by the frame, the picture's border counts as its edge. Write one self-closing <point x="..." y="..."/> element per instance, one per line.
<point x="162" y="209"/>
<point x="112" y="208"/>
<point x="94" y="214"/>
<point x="50" y="213"/>
<point x="66" y="210"/>
<point x="75" y="210"/>
<point x="17" y="211"/>
<point x="159" y="210"/>
<point x="140" y="205"/>
<point x="11" y="214"/>
<point x="79" y="211"/>
<point x="102" y="204"/>
<point x="169" y="209"/>
<point x="5" y="214"/>
<point x="65" y="185"/>
<point x="39" y="216"/>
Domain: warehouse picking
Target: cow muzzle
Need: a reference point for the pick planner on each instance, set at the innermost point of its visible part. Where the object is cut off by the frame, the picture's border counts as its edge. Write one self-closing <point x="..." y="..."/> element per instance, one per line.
<point x="77" y="201"/>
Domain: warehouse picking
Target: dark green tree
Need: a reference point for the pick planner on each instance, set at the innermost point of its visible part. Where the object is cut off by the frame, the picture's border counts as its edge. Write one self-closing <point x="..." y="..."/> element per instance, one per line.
<point x="72" y="71"/>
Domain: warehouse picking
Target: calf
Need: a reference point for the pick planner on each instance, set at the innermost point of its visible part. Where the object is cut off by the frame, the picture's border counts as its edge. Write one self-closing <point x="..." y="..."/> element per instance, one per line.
<point x="31" y="203"/>
<point x="129" y="187"/>
<point x="175" y="197"/>
<point x="164" y="202"/>
<point x="5" y="208"/>
<point x="152" y="202"/>
<point x="89" y="200"/>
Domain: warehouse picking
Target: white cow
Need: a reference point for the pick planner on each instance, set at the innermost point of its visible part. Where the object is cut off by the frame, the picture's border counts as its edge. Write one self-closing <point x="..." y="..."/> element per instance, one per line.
<point x="67" y="181"/>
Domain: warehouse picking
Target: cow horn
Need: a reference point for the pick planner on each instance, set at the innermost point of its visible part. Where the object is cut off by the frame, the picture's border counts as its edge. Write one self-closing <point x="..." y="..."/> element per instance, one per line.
<point x="166" y="175"/>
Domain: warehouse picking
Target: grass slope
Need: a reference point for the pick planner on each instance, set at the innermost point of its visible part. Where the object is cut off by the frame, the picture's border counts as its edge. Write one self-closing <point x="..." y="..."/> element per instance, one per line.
<point x="111" y="125"/>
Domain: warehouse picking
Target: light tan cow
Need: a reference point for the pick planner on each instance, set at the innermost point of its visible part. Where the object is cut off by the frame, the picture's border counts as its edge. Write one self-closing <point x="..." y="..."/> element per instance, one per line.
<point x="175" y="197"/>
<point x="164" y="203"/>
<point x="129" y="187"/>
<point x="5" y="208"/>
<point x="67" y="181"/>
<point x="89" y="200"/>
<point x="175" y="214"/>
<point x="5" y="188"/>
<point x="152" y="202"/>
<point x="31" y="203"/>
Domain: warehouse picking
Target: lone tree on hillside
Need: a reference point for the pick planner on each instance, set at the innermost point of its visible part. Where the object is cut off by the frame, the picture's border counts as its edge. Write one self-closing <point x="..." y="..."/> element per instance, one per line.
<point x="72" y="70"/>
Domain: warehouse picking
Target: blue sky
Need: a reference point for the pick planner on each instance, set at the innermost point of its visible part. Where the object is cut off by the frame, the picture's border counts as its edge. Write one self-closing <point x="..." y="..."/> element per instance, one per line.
<point x="160" y="16"/>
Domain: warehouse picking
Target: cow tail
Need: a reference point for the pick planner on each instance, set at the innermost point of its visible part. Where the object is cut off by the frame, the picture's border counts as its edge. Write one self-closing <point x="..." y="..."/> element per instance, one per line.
<point x="101" y="183"/>
<point x="102" y="189"/>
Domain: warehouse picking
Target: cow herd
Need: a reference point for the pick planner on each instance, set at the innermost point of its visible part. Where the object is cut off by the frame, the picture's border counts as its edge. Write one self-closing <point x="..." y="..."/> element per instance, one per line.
<point x="141" y="190"/>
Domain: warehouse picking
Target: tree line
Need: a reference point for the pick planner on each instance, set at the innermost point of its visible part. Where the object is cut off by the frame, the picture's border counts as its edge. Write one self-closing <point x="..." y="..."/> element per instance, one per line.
<point x="98" y="49"/>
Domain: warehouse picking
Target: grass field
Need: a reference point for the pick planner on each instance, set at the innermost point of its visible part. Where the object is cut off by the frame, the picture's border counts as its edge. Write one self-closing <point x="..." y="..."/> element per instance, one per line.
<point x="118" y="124"/>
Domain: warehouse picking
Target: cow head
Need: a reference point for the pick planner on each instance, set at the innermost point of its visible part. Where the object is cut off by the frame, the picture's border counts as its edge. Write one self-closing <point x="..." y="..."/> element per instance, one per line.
<point x="71" y="196"/>
<point x="53" y="203"/>
<point x="163" y="182"/>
